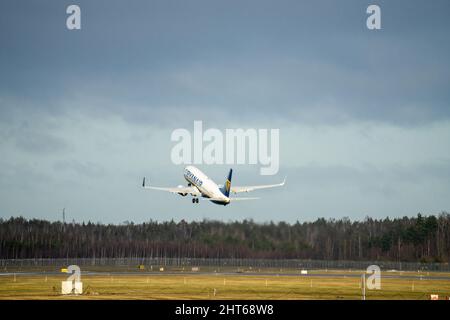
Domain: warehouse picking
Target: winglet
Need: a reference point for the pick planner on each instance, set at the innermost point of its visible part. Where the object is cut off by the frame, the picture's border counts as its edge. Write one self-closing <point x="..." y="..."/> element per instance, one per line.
<point x="143" y="183"/>
<point x="284" y="181"/>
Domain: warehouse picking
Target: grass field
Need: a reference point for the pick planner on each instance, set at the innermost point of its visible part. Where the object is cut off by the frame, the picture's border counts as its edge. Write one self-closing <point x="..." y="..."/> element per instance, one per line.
<point x="319" y="284"/>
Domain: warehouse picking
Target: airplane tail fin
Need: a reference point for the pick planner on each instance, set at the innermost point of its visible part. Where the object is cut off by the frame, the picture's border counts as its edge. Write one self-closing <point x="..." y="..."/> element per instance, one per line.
<point x="227" y="186"/>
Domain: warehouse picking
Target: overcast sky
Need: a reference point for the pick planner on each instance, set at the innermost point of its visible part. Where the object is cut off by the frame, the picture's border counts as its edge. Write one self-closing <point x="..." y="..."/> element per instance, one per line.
<point x="364" y="116"/>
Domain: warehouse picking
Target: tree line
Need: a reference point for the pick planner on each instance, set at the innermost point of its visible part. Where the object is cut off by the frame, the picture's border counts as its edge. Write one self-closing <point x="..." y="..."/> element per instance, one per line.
<point x="420" y="238"/>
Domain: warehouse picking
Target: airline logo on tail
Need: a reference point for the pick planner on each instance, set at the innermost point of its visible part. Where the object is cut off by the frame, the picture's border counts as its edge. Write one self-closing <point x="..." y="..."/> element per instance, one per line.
<point x="227" y="186"/>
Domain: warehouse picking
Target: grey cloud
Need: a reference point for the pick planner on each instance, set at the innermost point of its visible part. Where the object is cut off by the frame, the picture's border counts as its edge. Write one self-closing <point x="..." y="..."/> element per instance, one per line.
<point x="387" y="180"/>
<point x="139" y="69"/>
<point x="39" y="143"/>
<point x="87" y="169"/>
<point x="304" y="61"/>
<point x="35" y="139"/>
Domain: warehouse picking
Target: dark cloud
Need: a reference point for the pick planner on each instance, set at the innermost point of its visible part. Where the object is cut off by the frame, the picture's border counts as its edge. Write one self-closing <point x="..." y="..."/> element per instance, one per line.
<point x="84" y="114"/>
<point x="305" y="61"/>
<point x="87" y="169"/>
<point x="34" y="139"/>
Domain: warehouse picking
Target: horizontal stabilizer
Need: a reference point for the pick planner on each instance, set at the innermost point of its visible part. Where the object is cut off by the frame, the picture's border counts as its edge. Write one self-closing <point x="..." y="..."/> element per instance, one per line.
<point x="242" y="199"/>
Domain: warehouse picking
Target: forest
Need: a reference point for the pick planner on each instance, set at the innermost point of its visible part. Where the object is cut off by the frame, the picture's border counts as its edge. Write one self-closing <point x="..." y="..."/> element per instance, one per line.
<point x="415" y="239"/>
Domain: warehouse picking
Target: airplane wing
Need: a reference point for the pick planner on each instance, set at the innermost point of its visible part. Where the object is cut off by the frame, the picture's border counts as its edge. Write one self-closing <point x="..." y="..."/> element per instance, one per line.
<point x="190" y="190"/>
<point x="238" y="189"/>
<point x="242" y="199"/>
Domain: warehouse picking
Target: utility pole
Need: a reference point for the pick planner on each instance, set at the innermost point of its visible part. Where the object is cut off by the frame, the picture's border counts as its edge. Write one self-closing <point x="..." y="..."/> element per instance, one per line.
<point x="363" y="279"/>
<point x="64" y="219"/>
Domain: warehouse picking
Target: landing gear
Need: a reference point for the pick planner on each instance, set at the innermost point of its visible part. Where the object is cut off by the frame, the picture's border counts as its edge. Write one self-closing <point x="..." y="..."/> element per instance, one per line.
<point x="194" y="200"/>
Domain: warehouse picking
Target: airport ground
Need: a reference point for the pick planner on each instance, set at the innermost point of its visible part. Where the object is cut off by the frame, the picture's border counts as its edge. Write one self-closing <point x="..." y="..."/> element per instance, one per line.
<point x="220" y="283"/>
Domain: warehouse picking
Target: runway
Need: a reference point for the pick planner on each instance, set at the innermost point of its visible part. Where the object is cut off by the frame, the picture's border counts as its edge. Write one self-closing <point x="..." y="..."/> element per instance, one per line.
<point x="387" y="275"/>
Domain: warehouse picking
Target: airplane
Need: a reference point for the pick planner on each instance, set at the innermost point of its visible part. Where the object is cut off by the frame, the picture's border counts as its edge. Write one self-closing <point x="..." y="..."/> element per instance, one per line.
<point x="199" y="185"/>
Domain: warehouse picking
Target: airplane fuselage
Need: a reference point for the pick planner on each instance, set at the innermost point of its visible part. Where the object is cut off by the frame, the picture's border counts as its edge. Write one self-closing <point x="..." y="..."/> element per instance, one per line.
<point x="207" y="187"/>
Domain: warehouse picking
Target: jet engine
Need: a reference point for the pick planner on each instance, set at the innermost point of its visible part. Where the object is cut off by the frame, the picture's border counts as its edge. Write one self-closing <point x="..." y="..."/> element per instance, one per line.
<point x="180" y="193"/>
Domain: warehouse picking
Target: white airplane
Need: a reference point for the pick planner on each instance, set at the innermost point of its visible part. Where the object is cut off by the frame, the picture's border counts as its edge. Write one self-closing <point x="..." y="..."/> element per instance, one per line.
<point x="199" y="185"/>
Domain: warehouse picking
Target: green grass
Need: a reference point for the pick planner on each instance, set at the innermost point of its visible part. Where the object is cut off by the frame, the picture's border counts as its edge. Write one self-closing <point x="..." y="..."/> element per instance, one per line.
<point x="216" y="286"/>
